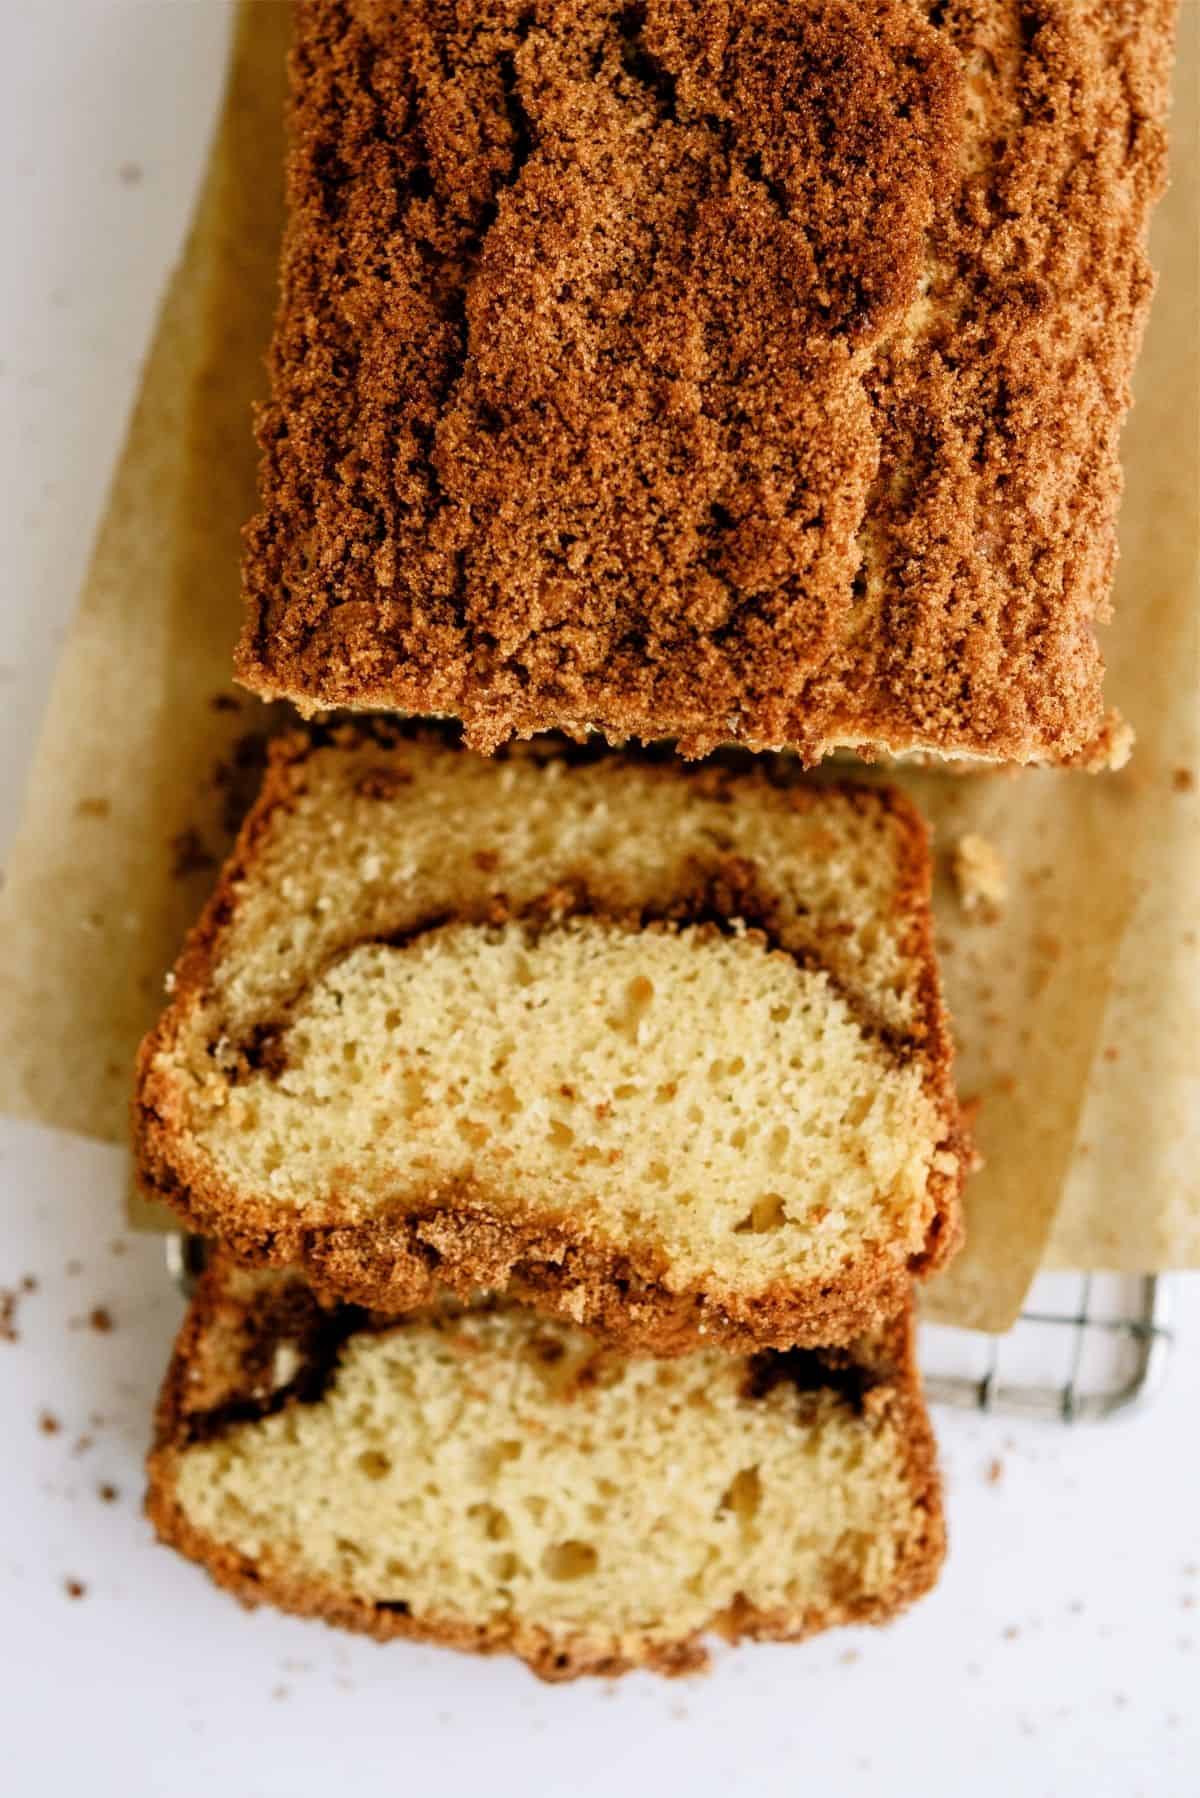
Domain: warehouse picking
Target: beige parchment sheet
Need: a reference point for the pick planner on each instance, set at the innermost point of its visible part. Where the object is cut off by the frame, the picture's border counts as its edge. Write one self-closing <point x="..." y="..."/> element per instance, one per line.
<point x="1076" y="1011"/>
<point x="1132" y="1197"/>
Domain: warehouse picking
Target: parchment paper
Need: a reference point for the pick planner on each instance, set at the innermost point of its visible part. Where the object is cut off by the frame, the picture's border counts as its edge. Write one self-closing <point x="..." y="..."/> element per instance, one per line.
<point x="124" y="820"/>
<point x="1132" y="1199"/>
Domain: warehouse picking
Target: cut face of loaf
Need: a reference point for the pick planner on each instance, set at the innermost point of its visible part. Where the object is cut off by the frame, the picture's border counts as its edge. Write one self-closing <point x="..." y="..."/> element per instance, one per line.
<point x="660" y="1051"/>
<point x="496" y="1481"/>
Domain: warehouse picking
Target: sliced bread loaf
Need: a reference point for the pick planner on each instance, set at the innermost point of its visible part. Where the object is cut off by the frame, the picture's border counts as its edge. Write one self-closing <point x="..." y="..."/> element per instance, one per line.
<point x="496" y="1481"/>
<point x="715" y="371"/>
<point x="658" y="1050"/>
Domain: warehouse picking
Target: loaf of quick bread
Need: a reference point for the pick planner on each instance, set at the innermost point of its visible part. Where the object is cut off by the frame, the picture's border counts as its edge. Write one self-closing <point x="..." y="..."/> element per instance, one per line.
<point x="747" y="371"/>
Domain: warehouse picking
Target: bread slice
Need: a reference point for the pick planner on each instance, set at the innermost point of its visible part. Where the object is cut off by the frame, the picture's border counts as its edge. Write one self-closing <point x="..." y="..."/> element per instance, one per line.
<point x="748" y="371"/>
<point x="661" y="1051"/>
<point x="496" y="1481"/>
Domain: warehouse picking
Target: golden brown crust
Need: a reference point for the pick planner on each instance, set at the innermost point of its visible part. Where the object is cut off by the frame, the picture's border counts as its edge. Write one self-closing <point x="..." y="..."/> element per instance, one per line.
<point x="466" y="1244"/>
<point x="466" y="1237"/>
<point x="751" y="371"/>
<point x="551" y="1657"/>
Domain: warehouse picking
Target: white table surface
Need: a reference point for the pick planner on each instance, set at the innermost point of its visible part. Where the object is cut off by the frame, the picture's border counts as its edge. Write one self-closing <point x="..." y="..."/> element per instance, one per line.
<point x="1061" y="1653"/>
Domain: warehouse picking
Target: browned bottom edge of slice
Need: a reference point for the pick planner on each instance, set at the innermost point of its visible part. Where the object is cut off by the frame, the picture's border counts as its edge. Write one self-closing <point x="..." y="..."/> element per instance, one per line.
<point x="552" y="1658"/>
<point x="398" y="1261"/>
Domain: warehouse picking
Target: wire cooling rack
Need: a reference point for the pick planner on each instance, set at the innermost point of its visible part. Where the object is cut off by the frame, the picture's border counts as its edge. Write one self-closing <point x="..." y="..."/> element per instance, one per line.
<point x="1086" y="1347"/>
<point x="186" y="1256"/>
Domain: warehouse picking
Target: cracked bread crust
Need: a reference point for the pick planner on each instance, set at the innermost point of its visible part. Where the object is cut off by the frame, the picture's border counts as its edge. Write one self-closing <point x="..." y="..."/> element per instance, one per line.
<point x="219" y="1375"/>
<point x="748" y="372"/>
<point x="470" y="1236"/>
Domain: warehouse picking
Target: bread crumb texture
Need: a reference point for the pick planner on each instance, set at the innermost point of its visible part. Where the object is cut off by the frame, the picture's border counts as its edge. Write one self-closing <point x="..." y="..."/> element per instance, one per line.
<point x="530" y="1010"/>
<point x="980" y="876"/>
<point x="498" y="1481"/>
<point x="741" y="371"/>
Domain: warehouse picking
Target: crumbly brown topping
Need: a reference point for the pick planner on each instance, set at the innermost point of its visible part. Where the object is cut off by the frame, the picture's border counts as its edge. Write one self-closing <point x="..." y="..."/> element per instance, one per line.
<point x="749" y="370"/>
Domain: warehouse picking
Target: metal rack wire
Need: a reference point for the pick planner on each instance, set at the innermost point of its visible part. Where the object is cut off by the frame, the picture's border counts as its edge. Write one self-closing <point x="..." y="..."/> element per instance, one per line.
<point x="186" y="1256"/>
<point x="1086" y="1347"/>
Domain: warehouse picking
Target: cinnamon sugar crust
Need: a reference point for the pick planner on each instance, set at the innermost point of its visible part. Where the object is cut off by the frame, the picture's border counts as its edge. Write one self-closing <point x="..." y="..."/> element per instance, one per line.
<point x="472" y="1240"/>
<point x="744" y="372"/>
<point x="254" y="1344"/>
<point x="425" y="1233"/>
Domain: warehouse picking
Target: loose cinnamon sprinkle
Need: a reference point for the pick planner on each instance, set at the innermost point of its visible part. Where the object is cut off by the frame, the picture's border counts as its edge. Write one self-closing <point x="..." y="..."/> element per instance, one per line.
<point x="107" y="1493"/>
<point x="1183" y="780"/>
<point x="189" y="855"/>
<point x="995" y="1471"/>
<point x="100" y="1318"/>
<point x="8" y="1316"/>
<point x="48" y="1423"/>
<point x="578" y="415"/>
<point x="382" y="783"/>
<point x="74" y="1588"/>
<point x="238" y="776"/>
